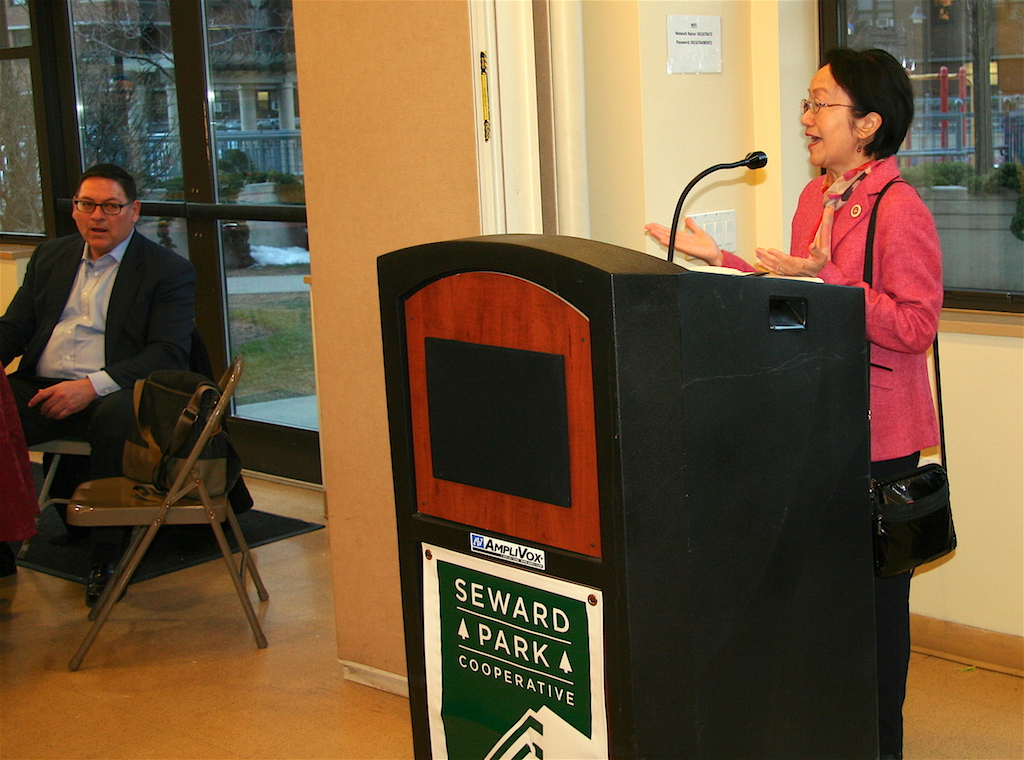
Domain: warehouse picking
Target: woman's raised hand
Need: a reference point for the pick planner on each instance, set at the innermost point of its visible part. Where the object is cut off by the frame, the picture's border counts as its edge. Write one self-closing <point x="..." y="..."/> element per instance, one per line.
<point x="691" y="240"/>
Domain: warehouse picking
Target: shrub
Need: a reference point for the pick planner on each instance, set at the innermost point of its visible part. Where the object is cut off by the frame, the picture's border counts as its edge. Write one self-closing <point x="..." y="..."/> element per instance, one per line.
<point x="1009" y="176"/>
<point x="235" y="162"/>
<point x="930" y="175"/>
<point x="1003" y="178"/>
<point x="175" y="187"/>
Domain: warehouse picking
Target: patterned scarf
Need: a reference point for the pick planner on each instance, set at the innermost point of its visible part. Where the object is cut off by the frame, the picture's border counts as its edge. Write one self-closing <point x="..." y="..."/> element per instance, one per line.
<point x="834" y="197"/>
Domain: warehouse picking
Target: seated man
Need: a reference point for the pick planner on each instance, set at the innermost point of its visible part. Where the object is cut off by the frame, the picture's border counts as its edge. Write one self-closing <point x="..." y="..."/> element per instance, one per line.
<point x="96" y="312"/>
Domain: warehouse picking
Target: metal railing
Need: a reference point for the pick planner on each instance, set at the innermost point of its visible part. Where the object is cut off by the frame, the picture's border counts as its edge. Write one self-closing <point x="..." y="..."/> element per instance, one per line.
<point x="276" y="150"/>
<point x="267" y="151"/>
<point x="951" y="136"/>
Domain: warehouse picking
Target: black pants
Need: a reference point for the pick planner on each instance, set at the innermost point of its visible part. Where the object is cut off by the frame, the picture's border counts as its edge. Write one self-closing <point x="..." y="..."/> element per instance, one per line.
<point x="892" y="635"/>
<point x="104" y="424"/>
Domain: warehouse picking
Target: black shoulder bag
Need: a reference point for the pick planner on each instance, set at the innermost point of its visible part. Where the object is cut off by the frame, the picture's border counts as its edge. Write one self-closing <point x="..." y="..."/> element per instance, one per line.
<point x="171" y="410"/>
<point x="912" y="516"/>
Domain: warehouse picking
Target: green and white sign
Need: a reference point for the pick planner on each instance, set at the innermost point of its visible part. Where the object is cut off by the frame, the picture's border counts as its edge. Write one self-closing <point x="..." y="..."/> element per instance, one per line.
<point x="514" y="662"/>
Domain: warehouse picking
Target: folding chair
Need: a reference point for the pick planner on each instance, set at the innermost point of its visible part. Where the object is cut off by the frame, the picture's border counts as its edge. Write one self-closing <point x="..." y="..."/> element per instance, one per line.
<point x="113" y="501"/>
<point x="58" y="447"/>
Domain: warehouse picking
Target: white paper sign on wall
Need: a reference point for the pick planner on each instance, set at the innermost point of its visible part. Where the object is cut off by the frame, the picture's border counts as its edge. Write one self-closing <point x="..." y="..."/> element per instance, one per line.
<point x="694" y="44"/>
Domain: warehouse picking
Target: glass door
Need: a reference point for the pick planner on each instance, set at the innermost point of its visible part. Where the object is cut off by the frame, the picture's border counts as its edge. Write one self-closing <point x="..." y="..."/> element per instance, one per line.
<point x="199" y="100"/>
<point x="258" y="147"/>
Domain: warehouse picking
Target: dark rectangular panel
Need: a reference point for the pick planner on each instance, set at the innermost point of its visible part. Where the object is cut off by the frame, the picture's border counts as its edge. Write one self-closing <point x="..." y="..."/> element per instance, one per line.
<point x="498" y="419"/>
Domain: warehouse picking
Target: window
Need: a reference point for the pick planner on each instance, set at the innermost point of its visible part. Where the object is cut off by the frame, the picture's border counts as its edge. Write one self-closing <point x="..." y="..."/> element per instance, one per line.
<point x="965" y="150"/>
<point x="199" y="100"/>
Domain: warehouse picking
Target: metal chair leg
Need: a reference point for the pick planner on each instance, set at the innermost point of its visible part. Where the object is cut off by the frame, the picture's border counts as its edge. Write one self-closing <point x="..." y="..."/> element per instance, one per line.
<point x="243" y="596"/>
<point x="113" y="590"/>
<point x="116" y="585"/>
<point x="137" y="532"/>
<point x="51" y="472"/>
<point x="43" y="501"/>
<point x="248" y="560"/>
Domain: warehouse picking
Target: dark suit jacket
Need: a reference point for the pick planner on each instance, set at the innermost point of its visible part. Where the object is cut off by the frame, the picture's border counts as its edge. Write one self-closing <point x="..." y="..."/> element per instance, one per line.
<point x="150" y="316"/>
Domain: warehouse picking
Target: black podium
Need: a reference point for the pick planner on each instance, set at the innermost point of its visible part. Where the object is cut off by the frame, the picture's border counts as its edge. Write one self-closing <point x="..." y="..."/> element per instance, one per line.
<point x="632" y="505"/>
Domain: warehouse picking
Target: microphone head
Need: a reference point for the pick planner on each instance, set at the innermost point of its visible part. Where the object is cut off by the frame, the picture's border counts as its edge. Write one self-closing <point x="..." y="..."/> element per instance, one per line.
<point x="758" y="159"/>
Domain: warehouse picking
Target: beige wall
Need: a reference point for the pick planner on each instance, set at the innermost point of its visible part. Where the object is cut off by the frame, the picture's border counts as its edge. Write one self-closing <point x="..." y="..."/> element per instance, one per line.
<point x="13" y="261"/>
<point x="649" y="132"/>
<point x="693" y="121"/>
<point x="390" y="156"/>
<point x="982" y="583"/>
<point x="612" y="93"/>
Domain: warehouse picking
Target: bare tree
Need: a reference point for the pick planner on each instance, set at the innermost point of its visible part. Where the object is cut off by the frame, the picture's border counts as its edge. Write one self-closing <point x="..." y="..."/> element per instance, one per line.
<point x="21" y="207"/>
<point x="125" y="79"/>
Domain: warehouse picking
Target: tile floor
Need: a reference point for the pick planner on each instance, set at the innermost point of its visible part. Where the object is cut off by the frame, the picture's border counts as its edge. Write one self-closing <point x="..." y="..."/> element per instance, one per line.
<point x="175" y="673"/>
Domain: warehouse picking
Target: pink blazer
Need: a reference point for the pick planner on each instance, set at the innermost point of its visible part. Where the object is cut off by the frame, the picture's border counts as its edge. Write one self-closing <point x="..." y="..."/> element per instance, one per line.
<point x="902" y="305"/>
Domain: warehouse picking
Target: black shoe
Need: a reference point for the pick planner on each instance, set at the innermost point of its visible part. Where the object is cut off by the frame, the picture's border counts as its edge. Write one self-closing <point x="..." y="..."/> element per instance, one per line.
<point x="99" y="576"/>
<point x="7" y="563"/>
<point x="71" y="535"/>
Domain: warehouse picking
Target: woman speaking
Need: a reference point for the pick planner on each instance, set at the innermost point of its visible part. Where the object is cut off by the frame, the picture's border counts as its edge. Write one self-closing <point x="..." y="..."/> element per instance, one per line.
<point x="859" y="108"/>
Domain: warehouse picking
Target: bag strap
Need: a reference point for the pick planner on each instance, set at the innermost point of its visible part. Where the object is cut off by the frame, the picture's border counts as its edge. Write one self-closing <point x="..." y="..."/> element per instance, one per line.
<point x="179" y="436"/>
<point x="187" y="418"/>
<point x="870" y="245"/>
<point x="154" y="451"/>
<point x="868" y="265"/>
<point x="938" y="400"/>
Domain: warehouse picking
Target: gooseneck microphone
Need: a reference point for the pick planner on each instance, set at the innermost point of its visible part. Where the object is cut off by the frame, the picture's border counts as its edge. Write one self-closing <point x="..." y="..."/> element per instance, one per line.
<point x="754" y="160"/>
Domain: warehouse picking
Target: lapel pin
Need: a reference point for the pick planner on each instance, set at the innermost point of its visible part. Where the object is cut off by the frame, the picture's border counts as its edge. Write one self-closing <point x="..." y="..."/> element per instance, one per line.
<point x="855" y="211"/>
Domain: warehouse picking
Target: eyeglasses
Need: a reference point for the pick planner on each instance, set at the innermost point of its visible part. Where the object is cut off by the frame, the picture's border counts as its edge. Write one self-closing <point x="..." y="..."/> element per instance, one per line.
<point x="814" y="105"/>
<point x="110" y="209"/>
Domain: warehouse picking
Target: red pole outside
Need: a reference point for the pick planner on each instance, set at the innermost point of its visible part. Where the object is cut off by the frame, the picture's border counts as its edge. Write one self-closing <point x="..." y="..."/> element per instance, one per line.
<point x="908" y="142"/>
<point x="961" y="78"/>
<point x="944" y="107"/>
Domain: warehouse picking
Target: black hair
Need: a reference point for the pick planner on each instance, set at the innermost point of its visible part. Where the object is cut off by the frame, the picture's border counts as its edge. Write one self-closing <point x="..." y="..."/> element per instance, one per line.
<point x="875" y="81"/>
<point x="115" y="173"/>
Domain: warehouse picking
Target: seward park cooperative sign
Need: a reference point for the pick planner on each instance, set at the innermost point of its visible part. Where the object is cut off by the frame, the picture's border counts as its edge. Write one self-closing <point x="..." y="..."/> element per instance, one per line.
<point x="514" y="662"/>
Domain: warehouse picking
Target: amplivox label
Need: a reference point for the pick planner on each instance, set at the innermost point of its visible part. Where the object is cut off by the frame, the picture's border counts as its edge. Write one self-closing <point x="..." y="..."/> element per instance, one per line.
<point x="508" y="551"/>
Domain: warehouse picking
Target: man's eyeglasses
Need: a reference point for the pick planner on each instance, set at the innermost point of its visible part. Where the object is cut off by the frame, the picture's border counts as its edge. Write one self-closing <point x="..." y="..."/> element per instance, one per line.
<point x="110" y="209"/>
<point x="814" y="105"/>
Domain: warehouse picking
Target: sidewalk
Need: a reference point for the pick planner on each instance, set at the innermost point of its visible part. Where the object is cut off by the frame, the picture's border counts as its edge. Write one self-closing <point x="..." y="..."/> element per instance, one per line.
<point x="269" y="283"/>
<point x="299" y="412"/>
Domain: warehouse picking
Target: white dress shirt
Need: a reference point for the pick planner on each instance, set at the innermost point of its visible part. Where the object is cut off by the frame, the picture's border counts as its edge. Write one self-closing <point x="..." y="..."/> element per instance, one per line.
<point x="76" y="348"/>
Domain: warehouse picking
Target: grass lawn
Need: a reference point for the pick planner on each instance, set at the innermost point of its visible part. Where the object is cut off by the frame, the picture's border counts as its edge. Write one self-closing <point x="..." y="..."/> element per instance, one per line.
<point x="273" y="332"/>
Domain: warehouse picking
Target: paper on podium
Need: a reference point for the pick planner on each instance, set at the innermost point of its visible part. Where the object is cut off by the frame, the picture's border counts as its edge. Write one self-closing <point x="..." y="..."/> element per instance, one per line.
<point x="692" y="266"/>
